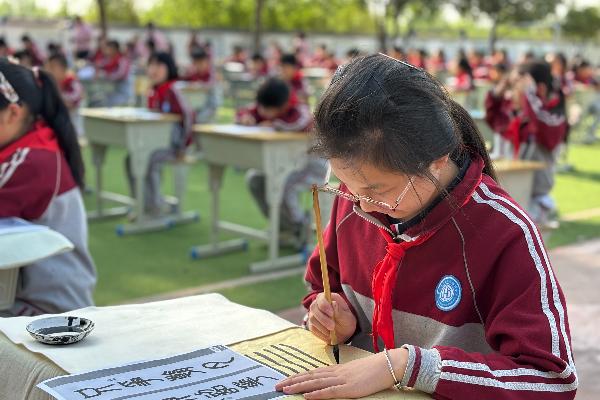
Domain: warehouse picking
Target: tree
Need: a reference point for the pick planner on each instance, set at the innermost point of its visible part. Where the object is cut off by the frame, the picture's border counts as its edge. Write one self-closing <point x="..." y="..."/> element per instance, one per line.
<point x="258" y="24"/>
<point x="582" y="24"/>
<point x="121" y="11"/>
<point x="507" y="11"/>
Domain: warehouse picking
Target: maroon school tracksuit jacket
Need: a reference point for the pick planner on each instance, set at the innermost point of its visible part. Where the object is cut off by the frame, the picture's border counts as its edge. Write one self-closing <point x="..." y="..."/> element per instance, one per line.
<point x="477" y="305"/>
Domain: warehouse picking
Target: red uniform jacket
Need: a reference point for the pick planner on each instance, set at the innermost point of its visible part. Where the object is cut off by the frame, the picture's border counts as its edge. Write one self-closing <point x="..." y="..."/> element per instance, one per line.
<point x="116" y="68"/>
<point x="71" y="91"/>
<point x="297" y="118"/>
<point x="477" y="304"/>
<point x="167" y="99"/>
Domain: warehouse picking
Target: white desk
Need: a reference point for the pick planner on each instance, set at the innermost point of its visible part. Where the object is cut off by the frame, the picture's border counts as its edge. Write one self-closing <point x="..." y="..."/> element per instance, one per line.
<point x="141" y="132"/>
<point x="276" y="154"/>
<point x="195" y="94"/>
<point x="516" y="177"/>
<point x="24" y="243"/>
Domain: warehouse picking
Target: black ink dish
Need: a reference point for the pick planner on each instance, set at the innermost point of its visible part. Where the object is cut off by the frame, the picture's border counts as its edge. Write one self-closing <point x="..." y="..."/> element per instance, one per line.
<point x="60" y="330"/>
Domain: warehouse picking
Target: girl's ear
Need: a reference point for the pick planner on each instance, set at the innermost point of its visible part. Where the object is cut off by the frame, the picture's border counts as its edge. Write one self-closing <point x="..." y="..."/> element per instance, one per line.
<point x="438" y="165"/>
<point x="14" y="113"/>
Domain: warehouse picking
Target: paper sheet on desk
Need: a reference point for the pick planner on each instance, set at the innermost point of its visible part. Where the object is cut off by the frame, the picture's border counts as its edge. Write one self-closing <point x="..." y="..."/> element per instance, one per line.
<point x="298" y="350"/>
<point x="152" y="330"/>
<point x="202" y="374"/>
<point x="234" y="129"/>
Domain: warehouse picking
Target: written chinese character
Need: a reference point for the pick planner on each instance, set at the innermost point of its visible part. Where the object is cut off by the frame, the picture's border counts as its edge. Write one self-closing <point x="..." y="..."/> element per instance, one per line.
<point x="249" y="382"/>
<point x="89" y="393"/>
<point x="188" y="397"/>
<point x="137" y="381"/>
<point x="216" y="391"/>
<point x="179" y="373"/>
<point x="217" y="364"/>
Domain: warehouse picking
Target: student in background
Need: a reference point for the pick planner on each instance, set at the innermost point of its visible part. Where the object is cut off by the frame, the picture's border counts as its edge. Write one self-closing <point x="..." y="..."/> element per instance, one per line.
<point x="542" y="126"/>
<point x="464" y="76"/>
<point x="239" y="56"/>
<point x="81" y="39"/>
<point x="24" y="58"/>
<point x="292" y="74"/>
<point x="41" y="174"/>
<point x="200" y="70"/>
<point x="276" y="107"/>
<point x="163" y="97"/>
<point x="5" y="50"/>
<point x="258" y="66"/>
<point x="201" y="73"/>
<point x="115" y="67"/>
<point x="31" y="48"/>
<point x="69" y="86"/>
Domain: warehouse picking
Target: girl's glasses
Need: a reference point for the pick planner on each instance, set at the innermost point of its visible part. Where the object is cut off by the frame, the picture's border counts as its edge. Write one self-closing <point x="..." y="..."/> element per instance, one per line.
<point x="356" y="198"/>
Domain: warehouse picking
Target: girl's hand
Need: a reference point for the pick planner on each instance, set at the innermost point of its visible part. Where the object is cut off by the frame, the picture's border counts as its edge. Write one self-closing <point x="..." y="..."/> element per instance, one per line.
<point x="321" y="316"/>
<point x="358" y="378"/>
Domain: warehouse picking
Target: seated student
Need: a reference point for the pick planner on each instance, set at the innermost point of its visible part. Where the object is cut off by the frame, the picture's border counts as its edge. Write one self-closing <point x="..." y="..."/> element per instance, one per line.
<point x="276" y="107"/>
<point x="200" y="70"/>
<point x="292" y="74"/>
<point x="31" y="48"/>
<point x="115" y="67"/>
<point x="5" y="50"/>
<point x="24" y="58"/>
<point x="163" y="97"/>
<point x="464" y="76"/>
<point x="201" y="73"/>
<point x="258" y="67"/>
<point x="69" y="86"/>
<point x="431" y="264"/>
<point x="41" y="174"/>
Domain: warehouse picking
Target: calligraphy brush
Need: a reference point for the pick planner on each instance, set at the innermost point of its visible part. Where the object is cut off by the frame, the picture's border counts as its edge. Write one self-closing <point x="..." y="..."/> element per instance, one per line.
<point x="324" y="273"/>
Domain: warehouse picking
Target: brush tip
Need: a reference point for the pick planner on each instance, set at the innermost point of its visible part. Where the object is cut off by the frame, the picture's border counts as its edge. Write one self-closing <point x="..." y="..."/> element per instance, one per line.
<point x="336" y="353"/>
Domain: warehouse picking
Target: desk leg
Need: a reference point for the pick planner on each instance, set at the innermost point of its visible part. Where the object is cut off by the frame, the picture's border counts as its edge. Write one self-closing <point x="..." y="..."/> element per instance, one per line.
<point x="215" y="179"/>
<point x="98" y="157"/>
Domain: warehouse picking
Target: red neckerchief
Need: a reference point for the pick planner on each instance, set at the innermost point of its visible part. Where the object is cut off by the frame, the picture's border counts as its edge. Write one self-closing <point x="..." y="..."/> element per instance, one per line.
<point x="386" y="271"/>
<point x="382" y="286"/>
<point x="40" y="137"/>
<point x="159" y="94"/>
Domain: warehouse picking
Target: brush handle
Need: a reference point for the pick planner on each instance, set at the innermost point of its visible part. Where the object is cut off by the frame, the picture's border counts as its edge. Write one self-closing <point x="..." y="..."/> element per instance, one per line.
<point x="321" y="244"/>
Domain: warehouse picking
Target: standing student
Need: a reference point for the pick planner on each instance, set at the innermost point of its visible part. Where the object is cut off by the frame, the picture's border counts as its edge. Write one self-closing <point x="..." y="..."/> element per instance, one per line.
<point x="276" y="107"/>
<point x="163" y="97"/>
<point x="32" y="49"/>
<point x="83" y="35"/>
<point x="115" y="67"/>
<point x="542" y="126"/>
<point x="431" y="264"/>
<point x="69" y="86"/>
<point x="292" y="74"/>
<point x="41" y="174"/>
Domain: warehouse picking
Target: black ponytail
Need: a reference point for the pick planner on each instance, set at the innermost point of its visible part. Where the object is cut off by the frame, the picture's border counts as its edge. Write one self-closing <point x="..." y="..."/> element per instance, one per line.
<point x="394" y="116"/>
<point x="39" y="93"/>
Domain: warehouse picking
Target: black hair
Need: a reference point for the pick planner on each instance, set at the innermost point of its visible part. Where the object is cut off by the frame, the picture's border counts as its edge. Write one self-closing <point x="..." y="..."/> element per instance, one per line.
<point x="165" y="58"/>
<point x="23" y="54"/>
<point x="59" y="58"/>
<point x="114" y="44"/>
<point x="199" y="54"/>
<point x="42" y="99"/>
<point x="257" y="57"/>
<point x="393" y="116"/>
<point x="3" y="42"/>
<point x="274" y="92"/>
<point x="500" y="67"/>
<point x="540" y="72"/>
<point x="465" y="66"/>
<point x="289" y="59"/>
<point x="25" y="38"/>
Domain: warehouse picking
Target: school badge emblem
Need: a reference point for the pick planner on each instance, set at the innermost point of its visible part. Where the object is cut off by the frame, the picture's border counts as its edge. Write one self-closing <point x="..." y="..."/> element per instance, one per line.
<point x="448" y="293"/>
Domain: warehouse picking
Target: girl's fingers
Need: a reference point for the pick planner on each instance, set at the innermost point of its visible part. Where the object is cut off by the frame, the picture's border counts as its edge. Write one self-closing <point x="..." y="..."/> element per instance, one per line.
<point x="303" y="376"/>
<point x="318" y="329"/>
<point x="331" y="392"/>
<point x="326" y="321"/>
<point x="312" y="385"/>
